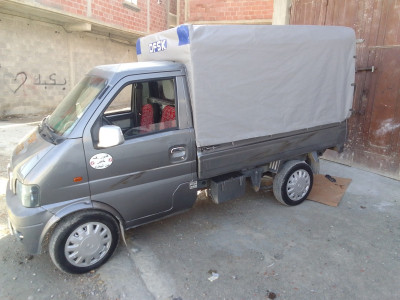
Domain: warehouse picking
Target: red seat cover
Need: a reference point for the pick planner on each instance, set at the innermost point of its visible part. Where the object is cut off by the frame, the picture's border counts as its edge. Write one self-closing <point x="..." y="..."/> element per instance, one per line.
<point x="147" y="118"/>
<point x="168" y="115"/>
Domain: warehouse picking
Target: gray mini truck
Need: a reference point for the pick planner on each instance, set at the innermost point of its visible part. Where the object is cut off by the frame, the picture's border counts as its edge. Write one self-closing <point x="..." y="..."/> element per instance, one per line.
<point x="208" y="107"/>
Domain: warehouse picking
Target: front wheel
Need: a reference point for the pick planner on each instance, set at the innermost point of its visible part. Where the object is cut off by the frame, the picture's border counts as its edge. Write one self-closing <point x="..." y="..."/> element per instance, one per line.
<point x="83" y="242"/>
<point x="293" y="183"/>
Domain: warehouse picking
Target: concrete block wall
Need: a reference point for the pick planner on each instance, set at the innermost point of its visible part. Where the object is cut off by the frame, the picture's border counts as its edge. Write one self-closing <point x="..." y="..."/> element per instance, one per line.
<point x="41" y="62"/>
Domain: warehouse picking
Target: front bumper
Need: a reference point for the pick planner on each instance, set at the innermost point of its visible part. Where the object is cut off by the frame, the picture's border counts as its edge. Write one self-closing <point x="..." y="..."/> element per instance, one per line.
<point x="26" y="224"/>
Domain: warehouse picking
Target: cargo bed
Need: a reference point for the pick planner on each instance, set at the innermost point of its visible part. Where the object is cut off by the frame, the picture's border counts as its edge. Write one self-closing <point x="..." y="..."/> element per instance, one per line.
<point x="221" y="159"/>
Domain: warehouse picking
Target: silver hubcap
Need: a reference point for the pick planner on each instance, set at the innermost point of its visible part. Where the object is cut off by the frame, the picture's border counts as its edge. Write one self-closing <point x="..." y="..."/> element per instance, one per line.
<point x="298" y="185"/>
<point x="87" y="244"/>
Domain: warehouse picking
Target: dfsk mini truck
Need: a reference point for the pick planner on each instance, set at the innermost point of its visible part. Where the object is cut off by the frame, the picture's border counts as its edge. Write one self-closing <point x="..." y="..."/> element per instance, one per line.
<point x="206" y="107"/>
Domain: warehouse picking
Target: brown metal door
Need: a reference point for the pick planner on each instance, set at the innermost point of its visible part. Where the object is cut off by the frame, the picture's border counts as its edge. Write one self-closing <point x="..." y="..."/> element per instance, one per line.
<point x="374" y="127"/>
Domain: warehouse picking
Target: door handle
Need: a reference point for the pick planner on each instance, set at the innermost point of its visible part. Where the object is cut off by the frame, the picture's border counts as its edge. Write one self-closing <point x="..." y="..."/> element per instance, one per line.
<point x="177" y="153"/>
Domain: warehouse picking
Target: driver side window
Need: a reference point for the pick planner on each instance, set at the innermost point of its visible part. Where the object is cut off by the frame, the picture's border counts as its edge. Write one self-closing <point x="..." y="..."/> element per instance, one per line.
<point x="142" y="108"/>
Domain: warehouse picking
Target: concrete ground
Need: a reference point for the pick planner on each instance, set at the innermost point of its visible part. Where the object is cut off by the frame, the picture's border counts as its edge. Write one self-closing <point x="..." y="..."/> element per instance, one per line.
<point x="259" y="248"/>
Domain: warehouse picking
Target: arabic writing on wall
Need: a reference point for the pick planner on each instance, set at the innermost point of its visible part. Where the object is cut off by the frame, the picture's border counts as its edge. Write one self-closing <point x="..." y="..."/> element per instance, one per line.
<point x="16" y="82"/>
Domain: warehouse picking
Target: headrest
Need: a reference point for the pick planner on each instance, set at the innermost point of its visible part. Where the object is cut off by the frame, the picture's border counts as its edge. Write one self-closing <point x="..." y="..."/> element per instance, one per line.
<point x="168" y="89"/>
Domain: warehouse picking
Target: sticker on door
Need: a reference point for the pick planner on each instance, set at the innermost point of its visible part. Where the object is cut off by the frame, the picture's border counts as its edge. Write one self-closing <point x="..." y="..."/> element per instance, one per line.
<point x="101" y="161"/>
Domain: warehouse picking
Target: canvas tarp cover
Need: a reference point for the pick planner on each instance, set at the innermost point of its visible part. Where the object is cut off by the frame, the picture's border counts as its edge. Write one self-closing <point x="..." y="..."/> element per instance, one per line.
<point x="252" y="81"/>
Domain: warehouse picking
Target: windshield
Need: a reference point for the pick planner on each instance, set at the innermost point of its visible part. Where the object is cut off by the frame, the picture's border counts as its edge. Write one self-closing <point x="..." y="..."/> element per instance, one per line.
<point x="69" y="111"/>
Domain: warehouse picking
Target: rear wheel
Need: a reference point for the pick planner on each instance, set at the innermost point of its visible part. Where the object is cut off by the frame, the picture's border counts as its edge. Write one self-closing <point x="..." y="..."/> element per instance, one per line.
<point x="293" y="183"/>
<point x="83" y="242"/>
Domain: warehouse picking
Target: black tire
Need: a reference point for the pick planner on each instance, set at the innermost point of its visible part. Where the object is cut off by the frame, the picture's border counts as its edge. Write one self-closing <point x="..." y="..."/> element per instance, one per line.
<point x="293" y="183"/>
<point x="84" y="241"/>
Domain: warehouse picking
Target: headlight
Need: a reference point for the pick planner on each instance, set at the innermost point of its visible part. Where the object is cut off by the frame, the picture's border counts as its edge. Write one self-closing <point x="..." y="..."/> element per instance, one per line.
<point x="28" y="194"/>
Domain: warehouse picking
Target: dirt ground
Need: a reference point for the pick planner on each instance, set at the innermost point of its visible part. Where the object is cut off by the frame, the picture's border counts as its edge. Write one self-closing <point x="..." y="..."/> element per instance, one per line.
<point x="254" y="248"/>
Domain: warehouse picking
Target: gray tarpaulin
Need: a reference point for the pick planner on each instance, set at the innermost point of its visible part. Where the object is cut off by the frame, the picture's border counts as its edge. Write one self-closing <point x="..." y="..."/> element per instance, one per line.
<point x="252" y="81"/>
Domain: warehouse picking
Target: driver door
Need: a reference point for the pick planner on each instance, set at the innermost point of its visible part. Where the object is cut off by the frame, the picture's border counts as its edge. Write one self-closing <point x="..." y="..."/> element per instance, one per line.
<point x="139" y="177"/>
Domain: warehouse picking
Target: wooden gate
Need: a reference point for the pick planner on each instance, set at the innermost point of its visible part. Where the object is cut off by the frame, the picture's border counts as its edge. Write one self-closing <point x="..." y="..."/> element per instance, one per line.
<point x="374" y="128"/>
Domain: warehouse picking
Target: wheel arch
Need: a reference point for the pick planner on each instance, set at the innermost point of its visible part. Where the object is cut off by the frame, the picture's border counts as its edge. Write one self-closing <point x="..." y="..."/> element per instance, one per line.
<point x="73" y="209"/>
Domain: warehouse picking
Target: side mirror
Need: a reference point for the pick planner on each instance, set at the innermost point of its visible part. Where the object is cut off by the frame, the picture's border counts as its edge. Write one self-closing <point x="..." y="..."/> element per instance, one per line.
<point x="109" y="136"/>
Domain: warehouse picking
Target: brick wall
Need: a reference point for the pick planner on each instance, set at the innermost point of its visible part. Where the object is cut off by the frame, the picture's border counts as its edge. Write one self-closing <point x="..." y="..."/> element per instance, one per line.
<point x="173" y="7"/>
<point x="227" y="10"/>
<point x="114" y="12"/>
<point x="181" y="12"/>
<point x="158" y="15"/>
<point x="117" y="12"/>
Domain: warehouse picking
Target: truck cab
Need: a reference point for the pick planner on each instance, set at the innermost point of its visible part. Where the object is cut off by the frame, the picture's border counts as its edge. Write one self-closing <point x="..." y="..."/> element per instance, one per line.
<point x="121" y="143"/>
